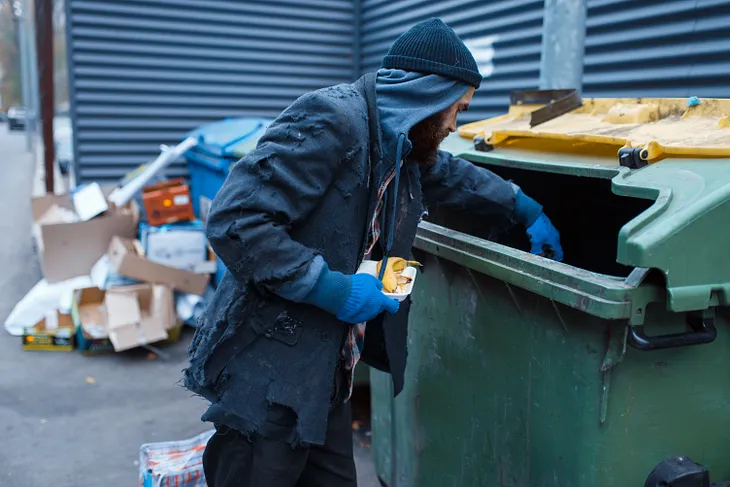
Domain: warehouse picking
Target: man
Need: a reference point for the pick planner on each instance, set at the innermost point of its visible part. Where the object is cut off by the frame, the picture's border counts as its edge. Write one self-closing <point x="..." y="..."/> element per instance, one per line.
<point x="344" y="174"/>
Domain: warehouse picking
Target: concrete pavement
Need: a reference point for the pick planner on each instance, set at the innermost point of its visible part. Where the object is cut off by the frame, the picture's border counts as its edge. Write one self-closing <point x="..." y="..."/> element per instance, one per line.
<point x="56" y="427"/>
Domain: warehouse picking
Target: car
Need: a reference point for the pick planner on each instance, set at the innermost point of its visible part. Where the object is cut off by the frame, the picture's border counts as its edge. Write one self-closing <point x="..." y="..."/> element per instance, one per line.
<point x="16" y="118"/>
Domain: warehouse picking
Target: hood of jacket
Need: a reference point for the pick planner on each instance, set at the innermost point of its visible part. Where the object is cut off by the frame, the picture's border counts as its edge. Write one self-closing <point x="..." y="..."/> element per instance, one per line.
<point x="405" y="98"/>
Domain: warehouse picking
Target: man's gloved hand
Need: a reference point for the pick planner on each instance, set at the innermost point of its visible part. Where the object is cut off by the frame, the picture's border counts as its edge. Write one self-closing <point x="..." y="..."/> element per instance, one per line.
<point x="352" y="298"/>
<point x="366" y="300"/>
<point x="544" y="237"/>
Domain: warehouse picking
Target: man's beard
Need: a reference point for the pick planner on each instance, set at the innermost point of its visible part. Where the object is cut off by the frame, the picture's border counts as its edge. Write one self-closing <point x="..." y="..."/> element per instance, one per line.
<point x="426" y="136"/>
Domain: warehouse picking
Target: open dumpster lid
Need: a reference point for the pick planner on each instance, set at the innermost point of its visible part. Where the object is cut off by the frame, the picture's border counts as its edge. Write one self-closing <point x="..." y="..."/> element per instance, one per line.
<point x="683" y="232"/>
<point x="660" y="127"/>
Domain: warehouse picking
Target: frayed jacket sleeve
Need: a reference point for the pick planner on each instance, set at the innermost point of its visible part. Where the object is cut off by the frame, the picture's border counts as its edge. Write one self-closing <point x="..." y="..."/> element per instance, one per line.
<point x="458" y="184"/>
<point x="275" y="186"/>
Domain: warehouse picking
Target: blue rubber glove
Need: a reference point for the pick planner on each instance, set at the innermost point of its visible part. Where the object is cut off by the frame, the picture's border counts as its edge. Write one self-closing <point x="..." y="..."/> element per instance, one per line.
<point x="544" y="237"/>
<point x="354" y="299"/>
<point x="366" y="300"/>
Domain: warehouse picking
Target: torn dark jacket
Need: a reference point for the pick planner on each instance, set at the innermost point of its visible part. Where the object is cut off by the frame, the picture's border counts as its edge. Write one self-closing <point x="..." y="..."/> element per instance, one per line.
<point x="309" y="188"/>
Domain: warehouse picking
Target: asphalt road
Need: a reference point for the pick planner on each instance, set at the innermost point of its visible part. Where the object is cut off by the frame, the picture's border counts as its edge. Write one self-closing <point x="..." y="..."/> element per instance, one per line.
<point x="67" y="420"/>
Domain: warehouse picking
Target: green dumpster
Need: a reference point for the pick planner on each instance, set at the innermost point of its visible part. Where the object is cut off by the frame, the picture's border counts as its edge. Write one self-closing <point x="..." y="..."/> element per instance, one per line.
<point x="527" y="372"/>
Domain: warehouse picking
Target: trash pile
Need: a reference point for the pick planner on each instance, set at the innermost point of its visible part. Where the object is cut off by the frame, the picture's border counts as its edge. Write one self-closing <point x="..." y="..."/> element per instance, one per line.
<point x="129" y="265"/>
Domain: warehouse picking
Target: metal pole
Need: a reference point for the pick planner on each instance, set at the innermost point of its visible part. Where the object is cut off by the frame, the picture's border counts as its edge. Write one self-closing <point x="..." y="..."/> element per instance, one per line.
<point x="563" y="45"/>
<point x="44" y="46"/>
<point x="32" y="128"/>
<point x="18" y="14"/>
<point x="30" y="33"/>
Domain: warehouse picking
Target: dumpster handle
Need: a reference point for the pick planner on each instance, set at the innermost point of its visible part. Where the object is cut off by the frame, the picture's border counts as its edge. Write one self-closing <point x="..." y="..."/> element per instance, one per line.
<point x="704" y="331"/>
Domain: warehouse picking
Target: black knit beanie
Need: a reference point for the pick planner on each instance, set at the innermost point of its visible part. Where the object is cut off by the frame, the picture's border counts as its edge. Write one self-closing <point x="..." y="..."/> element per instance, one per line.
<point x="432" y="47"/>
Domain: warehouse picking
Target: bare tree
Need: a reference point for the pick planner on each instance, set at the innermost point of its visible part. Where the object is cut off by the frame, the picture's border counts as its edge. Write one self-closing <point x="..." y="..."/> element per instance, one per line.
<point x="10" y="85"/>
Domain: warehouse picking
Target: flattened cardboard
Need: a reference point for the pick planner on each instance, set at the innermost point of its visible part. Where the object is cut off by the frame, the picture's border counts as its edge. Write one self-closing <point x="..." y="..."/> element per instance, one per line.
<point x="126" y="261"/>
<point x="54" y="333"/>
<point x="71" y="249"/>
<point x="139" y="315"/>
<point x="54" y="215"/>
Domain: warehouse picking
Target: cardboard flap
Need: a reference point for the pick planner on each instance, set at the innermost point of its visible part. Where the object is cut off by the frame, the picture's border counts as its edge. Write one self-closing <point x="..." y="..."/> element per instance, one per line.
<point x="53" y="322"/>
<point x="138" y="315"/>
<point x="162" y="305"/>
<point x="72" y="249"/>
<point x="57" y="214"/>
<point x="92" y="314"/>
<point x="169" y="183"/>
<point x="126" y="261"/>
<point x="132" y="336"/>
<point x="123" y="308"/>
<point x="42" y="204"/>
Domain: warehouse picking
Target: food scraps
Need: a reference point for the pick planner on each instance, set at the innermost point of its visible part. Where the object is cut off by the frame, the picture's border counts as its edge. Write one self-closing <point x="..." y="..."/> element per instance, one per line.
<point x="393" y="279"/>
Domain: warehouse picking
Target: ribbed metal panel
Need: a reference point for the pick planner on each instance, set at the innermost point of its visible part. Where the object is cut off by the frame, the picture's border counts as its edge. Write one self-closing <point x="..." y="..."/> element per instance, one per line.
<point x="658" y="48"/>
<point x="144" y="72"/>
<point x="504" y="36"/>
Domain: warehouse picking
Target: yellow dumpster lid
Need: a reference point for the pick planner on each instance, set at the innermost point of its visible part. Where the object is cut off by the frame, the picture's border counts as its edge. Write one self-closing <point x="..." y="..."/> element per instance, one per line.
<point x="660" y="127"/>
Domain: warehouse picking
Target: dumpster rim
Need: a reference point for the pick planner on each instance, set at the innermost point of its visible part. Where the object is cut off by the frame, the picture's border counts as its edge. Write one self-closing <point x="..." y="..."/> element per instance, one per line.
<point x="603" y="296"/>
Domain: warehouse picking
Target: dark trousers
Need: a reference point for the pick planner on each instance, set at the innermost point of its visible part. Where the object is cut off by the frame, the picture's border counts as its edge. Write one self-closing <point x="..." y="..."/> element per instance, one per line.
<point x="267" y="459"/>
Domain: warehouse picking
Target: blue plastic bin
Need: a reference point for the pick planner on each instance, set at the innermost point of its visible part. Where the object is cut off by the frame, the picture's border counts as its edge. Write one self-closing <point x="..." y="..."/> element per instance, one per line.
<point x="220" y="144"/>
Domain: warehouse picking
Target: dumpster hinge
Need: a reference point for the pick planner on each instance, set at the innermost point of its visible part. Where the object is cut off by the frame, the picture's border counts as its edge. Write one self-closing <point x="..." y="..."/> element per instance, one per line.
<point x="481" y="145"/>
<point x="633" y="158"/>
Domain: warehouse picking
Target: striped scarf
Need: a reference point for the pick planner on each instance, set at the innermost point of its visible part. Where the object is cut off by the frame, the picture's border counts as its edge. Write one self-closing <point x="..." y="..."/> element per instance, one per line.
<point x="356" y="336"/>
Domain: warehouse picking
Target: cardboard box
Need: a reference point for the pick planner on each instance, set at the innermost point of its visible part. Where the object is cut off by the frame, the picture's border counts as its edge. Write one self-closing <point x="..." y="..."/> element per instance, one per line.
<point x="139" y="315"/>
<point x="89" y="315"/>
<point x="71" y="249"/>
<point x="181" y="245"/>
<point x="89" y="201"/>
<point x="53" y="333"/>
<point x="127" y="259"/>
<point x="168" y="202"/>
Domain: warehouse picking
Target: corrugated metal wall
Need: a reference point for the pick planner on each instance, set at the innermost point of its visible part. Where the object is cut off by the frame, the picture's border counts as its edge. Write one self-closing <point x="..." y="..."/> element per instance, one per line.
<point x="504" y="36"/>
<point x="657" y="48"/>
<point x="143" y="72"/>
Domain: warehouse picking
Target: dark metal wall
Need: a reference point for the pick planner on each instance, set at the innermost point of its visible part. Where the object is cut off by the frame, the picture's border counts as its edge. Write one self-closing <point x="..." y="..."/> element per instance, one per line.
<point x="143" y="73"/>
<point x="657" y="48"/>
<point x="503" y="35"/>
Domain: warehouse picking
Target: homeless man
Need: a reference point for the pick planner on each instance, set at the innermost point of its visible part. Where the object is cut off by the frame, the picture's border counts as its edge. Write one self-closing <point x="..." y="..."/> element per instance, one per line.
<point x="344" y="174"/>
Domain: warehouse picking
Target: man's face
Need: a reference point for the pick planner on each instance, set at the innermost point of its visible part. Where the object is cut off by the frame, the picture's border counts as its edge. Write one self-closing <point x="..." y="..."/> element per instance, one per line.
<point x="427" y="135"/>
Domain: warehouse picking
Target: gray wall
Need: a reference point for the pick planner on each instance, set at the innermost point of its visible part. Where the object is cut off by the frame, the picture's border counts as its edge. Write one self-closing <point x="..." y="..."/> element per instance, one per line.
<point x="504" y="36"/>
<point x="657" y="48"/>
<point x="144" y="72"/>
